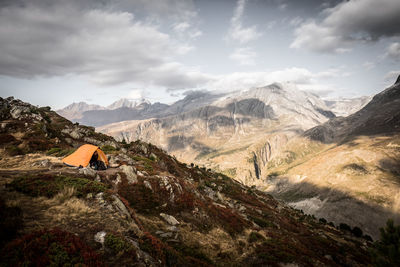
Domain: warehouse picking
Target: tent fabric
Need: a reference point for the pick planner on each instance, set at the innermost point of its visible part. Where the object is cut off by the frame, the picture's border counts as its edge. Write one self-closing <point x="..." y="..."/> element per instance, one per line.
<point x="82" y="156"/>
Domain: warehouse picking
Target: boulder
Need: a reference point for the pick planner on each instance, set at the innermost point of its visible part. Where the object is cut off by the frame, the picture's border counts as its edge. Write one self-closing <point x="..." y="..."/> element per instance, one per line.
<point x="75" y="134"/>
<point x="16" y="112"/>
<point x="130" y="174"/>
<point x="112" y="162"/>
<point x="118" y="179"/>
<point x="166" y="235"/>
<point x="120" y="206"/>
<point x="88" y="172"/>
<point x="42" y="163"/>
<point x="173" y="229"/>
<point x="169" y="219"/>
<point x="92" y="141"/>
<point x="99" y="237"/>
<point x="148" y="185"/>
<point x="110" y="143"/>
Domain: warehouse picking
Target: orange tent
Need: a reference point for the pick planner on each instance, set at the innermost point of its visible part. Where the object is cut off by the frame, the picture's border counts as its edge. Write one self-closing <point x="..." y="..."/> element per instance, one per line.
<point x="82" y="156"/>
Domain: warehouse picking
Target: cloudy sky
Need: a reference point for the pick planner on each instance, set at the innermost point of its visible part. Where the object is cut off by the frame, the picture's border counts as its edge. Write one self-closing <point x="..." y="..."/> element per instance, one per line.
<point x="55" y="52"/>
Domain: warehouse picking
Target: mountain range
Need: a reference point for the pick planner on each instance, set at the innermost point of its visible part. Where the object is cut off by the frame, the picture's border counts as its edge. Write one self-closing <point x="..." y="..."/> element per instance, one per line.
<point x="137" y="109"/>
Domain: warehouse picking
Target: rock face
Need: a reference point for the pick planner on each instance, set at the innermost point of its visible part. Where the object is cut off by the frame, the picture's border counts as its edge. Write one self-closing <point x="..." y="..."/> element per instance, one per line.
<point x="237" y="133"/>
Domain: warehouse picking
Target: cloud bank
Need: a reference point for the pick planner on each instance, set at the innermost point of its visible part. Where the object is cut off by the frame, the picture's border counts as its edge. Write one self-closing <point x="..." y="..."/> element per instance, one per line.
<point x="93" y="40"/>
<point x="348" y="23"/>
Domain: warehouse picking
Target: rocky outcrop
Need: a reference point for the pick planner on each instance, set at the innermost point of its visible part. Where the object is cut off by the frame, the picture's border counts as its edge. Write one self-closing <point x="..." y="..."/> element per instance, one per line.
<point x="129" y="173"/>
<point x="169" y="219"/>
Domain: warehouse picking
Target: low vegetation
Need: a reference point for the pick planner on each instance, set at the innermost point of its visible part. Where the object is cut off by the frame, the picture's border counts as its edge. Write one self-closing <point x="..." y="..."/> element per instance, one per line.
<point x="49" y="185"/>
<point x="386" y="251"/>
<point x="59" y="152"/>
<point x="49" y="248"/>
<point x="10" y="222"/>
<point x="108" y="149"/>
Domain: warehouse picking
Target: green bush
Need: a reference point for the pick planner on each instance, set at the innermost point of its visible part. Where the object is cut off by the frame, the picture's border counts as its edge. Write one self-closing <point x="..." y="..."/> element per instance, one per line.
<point x="386" y="251"/>
<point x="344" y="227"/>
<point x="53" y="150"/>
<point x="117" y="244"/>
<point x="59" y="152"/>
<point x="254" y="237"/>
<point x="357" y="232"/>
<point x="108" y="149"/>
<point x="14" y="151"/>
<point x="368" y="238"/>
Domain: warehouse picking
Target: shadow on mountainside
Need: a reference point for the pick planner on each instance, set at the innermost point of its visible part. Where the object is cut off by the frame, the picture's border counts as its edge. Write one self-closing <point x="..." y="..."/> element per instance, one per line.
<point x="334" y="205"/>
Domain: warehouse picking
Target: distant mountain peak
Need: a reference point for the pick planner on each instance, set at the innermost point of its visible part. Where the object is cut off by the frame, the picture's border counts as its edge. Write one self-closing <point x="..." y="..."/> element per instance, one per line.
<point x="74" y="111"/>
<point x="128" y="103"/>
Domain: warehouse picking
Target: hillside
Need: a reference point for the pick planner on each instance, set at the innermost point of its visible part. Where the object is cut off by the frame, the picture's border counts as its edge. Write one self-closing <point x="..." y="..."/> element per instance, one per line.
<point x="148" y="209"/>
<point x="345" y="170"/>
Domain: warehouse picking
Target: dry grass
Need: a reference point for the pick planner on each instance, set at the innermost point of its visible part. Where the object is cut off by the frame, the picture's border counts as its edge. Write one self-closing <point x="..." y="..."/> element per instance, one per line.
<point x="65" y="206"/>
<point x="213" y="244"/>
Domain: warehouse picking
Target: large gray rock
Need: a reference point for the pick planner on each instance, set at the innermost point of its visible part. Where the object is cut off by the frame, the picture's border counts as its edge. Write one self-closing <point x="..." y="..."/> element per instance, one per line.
<point x="88" y="172"/>
<point x="16" y="112"/>
<point x="120" y="206"/>
<point x="130" y="173"/>
<point x="99" y="237"/>
<point x="75" y="134"/>
<point x="169" y="219"/>
<point x="91" y="140"/>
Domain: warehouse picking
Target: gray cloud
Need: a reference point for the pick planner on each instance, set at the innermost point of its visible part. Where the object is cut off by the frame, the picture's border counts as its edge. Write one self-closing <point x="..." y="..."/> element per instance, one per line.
<point x="347" y="23"/>
<point x="393" y="51"/>
<point x="93" y="39"/>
